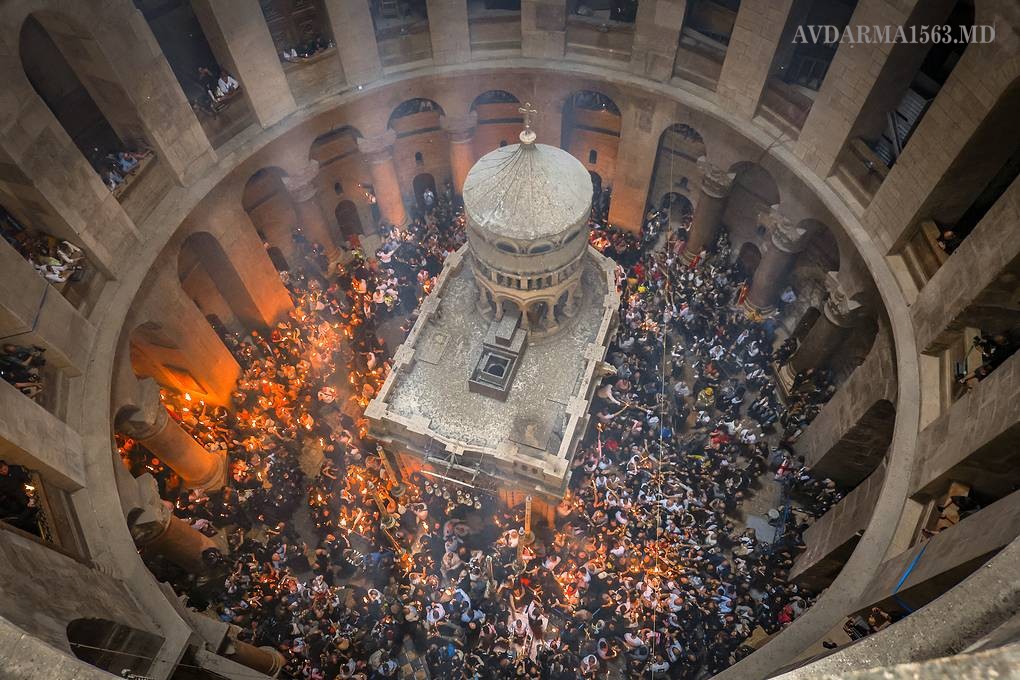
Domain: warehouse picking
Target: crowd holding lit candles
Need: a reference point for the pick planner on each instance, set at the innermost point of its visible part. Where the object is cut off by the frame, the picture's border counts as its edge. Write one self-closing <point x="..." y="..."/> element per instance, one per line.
<point x="647" y="570"/>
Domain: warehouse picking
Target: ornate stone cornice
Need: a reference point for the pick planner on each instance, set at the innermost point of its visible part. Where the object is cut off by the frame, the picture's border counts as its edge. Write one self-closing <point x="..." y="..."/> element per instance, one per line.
<point x="785" y="235"/>
<point x="461" y="128"/>
<point x="715" y="181"/>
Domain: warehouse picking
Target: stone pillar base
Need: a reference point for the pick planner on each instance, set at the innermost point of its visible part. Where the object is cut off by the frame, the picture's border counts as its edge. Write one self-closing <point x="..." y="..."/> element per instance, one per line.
<point x="784" y="380"/>
<point x="756" y="313"/>
<point x="217" y="476"/>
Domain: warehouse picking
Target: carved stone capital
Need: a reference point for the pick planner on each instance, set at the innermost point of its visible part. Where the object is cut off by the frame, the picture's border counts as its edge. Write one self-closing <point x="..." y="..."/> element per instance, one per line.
<point x="839" y="307"/>
<point x="301" y="184"/>
<point x="715" y="181"/>
<point x="378" y="149"/>
<point x="150" y="516"/>
<point x="785" y="235"/>
<point x="147" y="418"/>
<point x="461" y="128"/>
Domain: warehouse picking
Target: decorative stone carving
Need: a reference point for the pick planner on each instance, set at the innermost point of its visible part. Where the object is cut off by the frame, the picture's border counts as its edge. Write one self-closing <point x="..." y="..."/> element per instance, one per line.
<point x="839" y="307"/>
<point x="784" y="233"/>
<point x="715" y="181"/>
<point x="301" y="184"/>
<point x="378" y="149"/>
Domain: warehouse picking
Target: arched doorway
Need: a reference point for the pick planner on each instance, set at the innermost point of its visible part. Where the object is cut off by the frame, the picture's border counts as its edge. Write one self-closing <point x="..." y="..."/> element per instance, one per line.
<point x="113" y="646"/>
<point x="348" y="221"/>
<point x="425" y="191"/>
<point x="676" y="161"/>
<point x="678" y="207"/>
<point x="596" y="183"/>
<point x="748" y="260"/>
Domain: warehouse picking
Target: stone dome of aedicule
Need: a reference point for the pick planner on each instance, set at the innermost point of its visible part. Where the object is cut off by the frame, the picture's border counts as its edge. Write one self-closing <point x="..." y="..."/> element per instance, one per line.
<point x="526" y="192"/>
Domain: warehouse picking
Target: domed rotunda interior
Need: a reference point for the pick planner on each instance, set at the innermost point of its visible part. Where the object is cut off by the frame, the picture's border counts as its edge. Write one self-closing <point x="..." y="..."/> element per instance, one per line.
<point x="485" y="339"/>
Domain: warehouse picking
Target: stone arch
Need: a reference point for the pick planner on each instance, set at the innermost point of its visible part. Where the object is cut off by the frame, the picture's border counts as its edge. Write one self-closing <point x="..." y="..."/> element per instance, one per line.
<point x="748" y="259"/>
<point x="268" y="203"/>
<point x="418" y="111"/>
<point x="499" y="119"/>
<point x="821" y="248"/>
<point x="348" y="221"/>
<point x="494" y="97"/>
<point x="591" y="120"/>
<point x="506" y="305"/>
<point x="334" y="145"/>
<point x="112" y="646"/>
<point x="70" y="74"/>
<point x="754" y="191"/>
<point x="212" y="282"/>
<point x="675" y="169"/>
<point x="421" y="183"/>
<point x="537" y="312"/>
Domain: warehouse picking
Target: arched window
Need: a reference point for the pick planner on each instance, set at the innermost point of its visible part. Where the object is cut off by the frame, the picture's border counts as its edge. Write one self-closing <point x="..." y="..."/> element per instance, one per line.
<point x="418" y="157"/>
<point x="593" y="156"/>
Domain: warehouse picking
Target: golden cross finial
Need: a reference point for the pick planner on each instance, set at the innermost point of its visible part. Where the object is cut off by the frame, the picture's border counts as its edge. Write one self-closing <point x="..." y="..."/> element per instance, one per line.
<point x="527" y="135"/>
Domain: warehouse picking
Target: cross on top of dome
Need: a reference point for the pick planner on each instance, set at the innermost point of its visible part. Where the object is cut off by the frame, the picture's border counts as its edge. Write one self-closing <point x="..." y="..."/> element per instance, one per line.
<point x="527" y="135"/>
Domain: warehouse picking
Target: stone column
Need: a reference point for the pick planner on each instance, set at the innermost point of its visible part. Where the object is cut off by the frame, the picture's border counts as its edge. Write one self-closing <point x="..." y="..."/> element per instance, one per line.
<point x="833" y="326"/>
<point x="656" y="38"/>
<point x="158" y="532"/>
<point x="543" y="28"/>
<point x="634" y="165"/>
<point x="260" y="659"/>
<point x="865" y="82"/>
<point x="240" y="39"/>
<point x="550" y="316"/>
<point x="378" y="152"/>
<point x="715" y="188"/>
<point x="462" y="151"/>
<point x="756" y="36"/>
<point x="354" y="35"/>
<point x="448" y="29"/>
<point x="304" y="194"/>
<point x="786" y="240"/>
<point x="151" y="425"/>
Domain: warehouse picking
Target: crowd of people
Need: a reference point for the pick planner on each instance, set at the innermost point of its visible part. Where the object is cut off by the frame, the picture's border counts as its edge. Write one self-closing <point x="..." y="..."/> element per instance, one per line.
<point x="647" y="568"/>
<point x="19" y="506"/>
<point x="20" y="366"/>
<point x="116" y="166"/>
<point x="211" y="88"/>
<point x="305" y="50"/>
<point x="56" y="260"/>
<point x="994" y="349"/>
